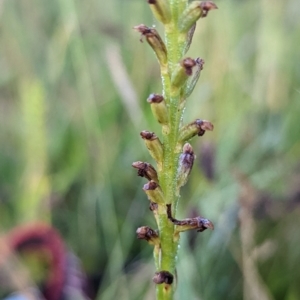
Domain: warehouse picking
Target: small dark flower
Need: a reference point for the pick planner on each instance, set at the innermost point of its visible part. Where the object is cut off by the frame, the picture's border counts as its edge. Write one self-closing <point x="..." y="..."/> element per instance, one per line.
<point x="154" y="192"/>
<point x="145" y="170"/>
<point x="198" y="223"/>
<point x="148" y="234"/>
<point x="163" y="277"/>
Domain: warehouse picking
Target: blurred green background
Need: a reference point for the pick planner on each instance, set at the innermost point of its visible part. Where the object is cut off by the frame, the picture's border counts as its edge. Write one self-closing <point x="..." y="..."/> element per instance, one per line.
<point x="74" y="79"/>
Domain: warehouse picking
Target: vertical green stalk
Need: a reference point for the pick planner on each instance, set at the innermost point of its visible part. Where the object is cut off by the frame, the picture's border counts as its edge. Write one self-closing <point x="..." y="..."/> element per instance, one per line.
<point x="174" y="157"/>
<point x="168" y="174"/>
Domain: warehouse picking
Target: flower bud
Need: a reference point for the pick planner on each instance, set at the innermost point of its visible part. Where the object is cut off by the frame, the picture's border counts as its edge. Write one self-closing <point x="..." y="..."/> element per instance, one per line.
<point x="185" y="164"/>
<point x="163" y="277"/>
<point x="198" y="223"/>
<point x="148" y="234"/>
<point x="145" y="170"/>
<point x="154" y="192"/>
<point x="198" y="127"/>
<point x="161" y="10"/>
<point x="155" y="41"/>
<point x="191" y="83"/>
<point x="182" y="72"/>
<point x="193" y="13"/>
<point x="159" y="108"/>
<point x="154" y="146"/>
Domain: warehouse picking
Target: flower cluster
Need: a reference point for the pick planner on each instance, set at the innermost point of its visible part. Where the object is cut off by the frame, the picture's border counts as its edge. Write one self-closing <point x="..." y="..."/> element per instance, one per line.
<point x="174" y="156"/>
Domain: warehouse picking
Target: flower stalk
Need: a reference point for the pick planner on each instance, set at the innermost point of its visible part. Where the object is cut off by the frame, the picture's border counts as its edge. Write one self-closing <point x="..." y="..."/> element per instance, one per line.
<point x="173" y="155"/>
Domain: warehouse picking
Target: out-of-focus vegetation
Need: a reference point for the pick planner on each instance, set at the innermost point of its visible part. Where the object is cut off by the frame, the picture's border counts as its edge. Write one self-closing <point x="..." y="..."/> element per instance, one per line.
<point x="74" y="79"/>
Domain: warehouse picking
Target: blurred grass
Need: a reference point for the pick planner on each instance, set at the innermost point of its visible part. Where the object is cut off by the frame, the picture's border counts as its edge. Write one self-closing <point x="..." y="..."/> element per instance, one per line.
<point x="73" y="79"/>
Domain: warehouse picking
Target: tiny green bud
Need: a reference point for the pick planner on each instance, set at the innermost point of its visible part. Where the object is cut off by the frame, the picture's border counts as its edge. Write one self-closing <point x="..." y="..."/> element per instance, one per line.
<point x="159" y="110"/>
<point x="163" y="277"/>
<point x="182" y="72"/>
<point x="198" y="127"/>
<point x="155" y="41"/>
<point x="185" y="164"/>
<point x="161" y="10"/>
<point x="191" y="83"/>
<point x="154" y="192"/>
<point x="148" y="234"/>
<point x="154" y="146"/>
<point x="193" y="13"/>
<point x="146" y="170"/>
<point x="198" y="223"/>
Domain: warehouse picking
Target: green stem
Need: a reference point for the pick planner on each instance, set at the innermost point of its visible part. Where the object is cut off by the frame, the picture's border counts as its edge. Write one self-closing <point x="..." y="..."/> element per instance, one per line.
<point x="168" y="174"/>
